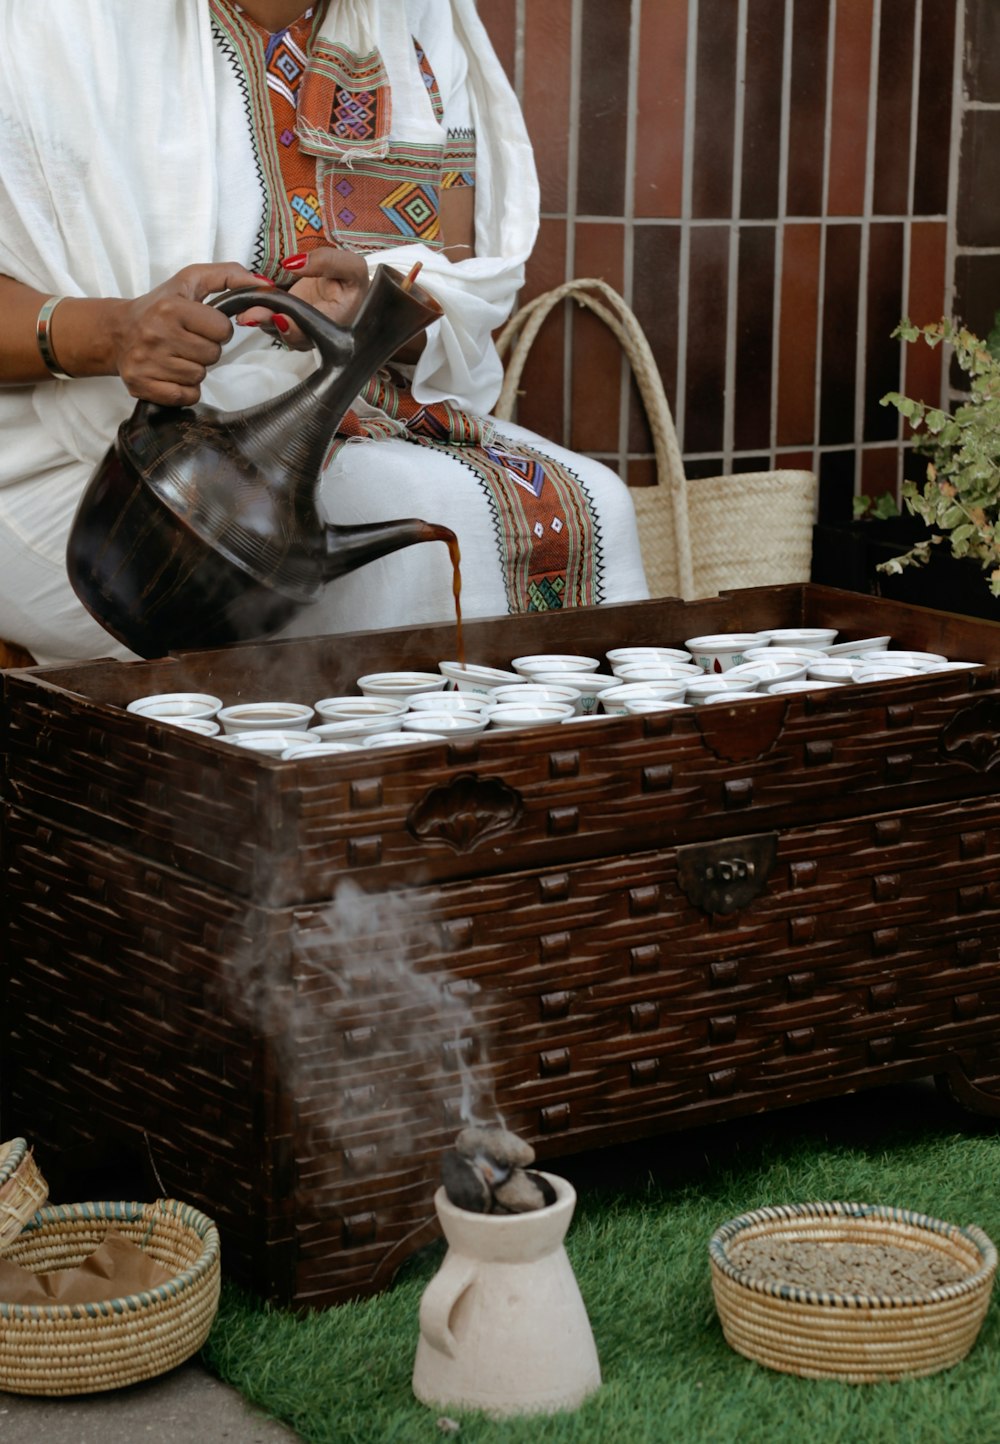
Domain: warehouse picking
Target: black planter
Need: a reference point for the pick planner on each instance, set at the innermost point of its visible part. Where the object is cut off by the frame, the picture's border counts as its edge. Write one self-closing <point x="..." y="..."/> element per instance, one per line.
<point x="848" y="556"/>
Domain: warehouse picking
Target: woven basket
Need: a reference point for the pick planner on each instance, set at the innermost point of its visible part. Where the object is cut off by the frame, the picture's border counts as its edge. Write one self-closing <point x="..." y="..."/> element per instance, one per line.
<point x="857" y="1338"/>
<point x="86" y="1348"/>
<point x="698" y="538"/>
<point x="22" y="1189"/>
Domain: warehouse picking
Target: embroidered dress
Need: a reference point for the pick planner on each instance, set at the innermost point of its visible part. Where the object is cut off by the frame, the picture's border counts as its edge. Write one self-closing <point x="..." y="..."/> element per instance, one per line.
<point x="230" y="145"/>
<point x="542" y="517"/>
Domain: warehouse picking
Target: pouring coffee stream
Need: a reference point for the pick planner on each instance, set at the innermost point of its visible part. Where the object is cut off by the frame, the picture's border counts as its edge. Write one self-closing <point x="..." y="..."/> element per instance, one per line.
<point x="200" y="528"/>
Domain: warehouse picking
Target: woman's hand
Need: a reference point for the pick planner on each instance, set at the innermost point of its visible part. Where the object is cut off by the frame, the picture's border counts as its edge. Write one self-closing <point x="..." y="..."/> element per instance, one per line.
<point x="163" y="343"/>
<point x="334" y="281"/>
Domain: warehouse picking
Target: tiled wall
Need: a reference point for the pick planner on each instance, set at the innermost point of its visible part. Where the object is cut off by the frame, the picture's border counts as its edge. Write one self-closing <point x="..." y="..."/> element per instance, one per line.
<point x="771" y="184"/>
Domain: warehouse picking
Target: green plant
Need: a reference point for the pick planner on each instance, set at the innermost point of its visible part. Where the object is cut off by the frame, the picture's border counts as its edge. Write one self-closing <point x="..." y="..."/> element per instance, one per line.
<point x="879" y="508"/>
<point x="961" y="495"/>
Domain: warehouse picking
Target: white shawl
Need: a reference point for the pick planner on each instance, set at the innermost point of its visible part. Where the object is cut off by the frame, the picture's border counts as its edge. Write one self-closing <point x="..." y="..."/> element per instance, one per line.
<point x="125" y="155"/>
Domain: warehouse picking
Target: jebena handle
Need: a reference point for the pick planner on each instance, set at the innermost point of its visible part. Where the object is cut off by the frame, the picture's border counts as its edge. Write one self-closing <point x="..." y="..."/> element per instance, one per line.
<point x="452" y="1280"/>
<point x="334" y="343"/>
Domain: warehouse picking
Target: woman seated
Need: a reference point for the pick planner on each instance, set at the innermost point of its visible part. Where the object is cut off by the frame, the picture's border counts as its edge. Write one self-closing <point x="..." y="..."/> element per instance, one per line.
<point x="156" y="154"/>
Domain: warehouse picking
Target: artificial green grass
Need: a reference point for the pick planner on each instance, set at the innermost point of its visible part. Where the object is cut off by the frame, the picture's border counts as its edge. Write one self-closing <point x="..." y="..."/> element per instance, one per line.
<point x="639" y="1252"/>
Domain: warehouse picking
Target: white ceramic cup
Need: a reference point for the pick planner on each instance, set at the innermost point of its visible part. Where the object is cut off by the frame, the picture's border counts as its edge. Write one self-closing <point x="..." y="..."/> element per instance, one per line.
<point x="698" y="688"/>
<point x="400" y="739"/>
<point x="555" y="662"/>
<point x="265" y="717"/>
<point x="533" y="692"/>
<point x="861" y="648"/>
<point x="656" y="671"/>
<point x="446" y="724"/>
<point x="400" y="685"/>
<point x="614" y="699"/>
<point x="201" y="726"/>
<point x="538" y="714"/>
<point x="722" y="650"/>
<point x="833" y="669"/>
<point x="467" y="702"/>
<point x="472" y="677"/>
<point x="340" y="709"/>
<point x="768" y="672"/>
<point x="645" y="656"/>
<point x="344" y="728"/>
<point x="801" y="684"/>
<point x="819" y="637"/>
<point x="270" y="744"/>
<point x="317" y="749"/>
<point x="639" y="706"/>
<point x="175" y="706"/>
<point x="589" y="685"/>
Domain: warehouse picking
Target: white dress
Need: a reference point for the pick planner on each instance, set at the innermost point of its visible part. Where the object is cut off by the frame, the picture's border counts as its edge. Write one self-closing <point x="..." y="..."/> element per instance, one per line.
<point x="92" y="208"/>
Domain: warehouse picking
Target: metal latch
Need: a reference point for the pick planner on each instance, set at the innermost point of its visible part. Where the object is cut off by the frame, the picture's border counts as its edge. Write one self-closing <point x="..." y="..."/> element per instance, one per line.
<point x="723" y="877"/>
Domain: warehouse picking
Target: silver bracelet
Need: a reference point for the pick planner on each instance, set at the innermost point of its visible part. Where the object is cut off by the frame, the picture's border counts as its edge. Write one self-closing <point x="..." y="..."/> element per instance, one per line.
<point x="43" y="328"/>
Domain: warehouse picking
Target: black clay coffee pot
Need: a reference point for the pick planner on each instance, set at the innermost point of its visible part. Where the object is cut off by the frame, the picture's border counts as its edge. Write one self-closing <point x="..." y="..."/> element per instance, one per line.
<point x="200" y="528"/>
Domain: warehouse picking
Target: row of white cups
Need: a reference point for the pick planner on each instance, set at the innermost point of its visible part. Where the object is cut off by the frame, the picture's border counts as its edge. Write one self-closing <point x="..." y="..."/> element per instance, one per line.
<point x="407" y="707"/>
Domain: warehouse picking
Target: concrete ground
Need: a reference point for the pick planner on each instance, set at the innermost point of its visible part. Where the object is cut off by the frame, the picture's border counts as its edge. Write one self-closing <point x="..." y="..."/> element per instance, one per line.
<point x="187" y="1406"/>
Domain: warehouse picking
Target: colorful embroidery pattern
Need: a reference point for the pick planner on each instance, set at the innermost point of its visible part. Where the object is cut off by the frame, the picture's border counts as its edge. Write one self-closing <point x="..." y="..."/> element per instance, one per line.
<point x="345" y="103"/>
<point x="543" y="518"/>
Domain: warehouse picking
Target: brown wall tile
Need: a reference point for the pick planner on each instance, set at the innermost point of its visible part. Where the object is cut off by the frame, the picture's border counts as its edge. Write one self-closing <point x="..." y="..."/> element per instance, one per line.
<point x="928" y="255"/>
<point x="978" y="221"/>
<point x="659" y="163"/>
<point x="655" y="285"/>
<point x="885" y="309"/>
<point x="879" y="465"/>
<point x="840" y="330"/>
<point x="500" y="19"/>
<point x="850" y="111"/>
<point x="547" y="81"/>
<point x="597" y="355"/>
<point x="603" y="121"/>
<point x="890" y="185"/>
<point x="754" y="338"/>
<point x="800" y="286"/>
<point x="651" y="252"/>
<point x="982" y="50"/>
<point x="762" y="109"/>
<point x="977" y="291"/>
<point x="810" y="29"/>
<point x="715" y="109"/>
<point x="937" y="42"/>
<point x="541" y="407"/>
<point x="708" y="284"/>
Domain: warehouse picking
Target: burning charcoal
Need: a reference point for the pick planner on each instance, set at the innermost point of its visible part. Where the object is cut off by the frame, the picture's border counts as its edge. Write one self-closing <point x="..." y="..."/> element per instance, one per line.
<point x="495" y="1150"/>
<point x="464" y="1184"/>
<point x="520" y="1193"/>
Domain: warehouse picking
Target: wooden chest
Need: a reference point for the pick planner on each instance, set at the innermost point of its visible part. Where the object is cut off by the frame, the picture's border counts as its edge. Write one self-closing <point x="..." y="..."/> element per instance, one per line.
<point x="276" y="989"/>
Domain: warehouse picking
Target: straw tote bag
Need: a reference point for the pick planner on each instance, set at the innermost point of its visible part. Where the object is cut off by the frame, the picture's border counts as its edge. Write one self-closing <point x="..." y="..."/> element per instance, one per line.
<point x="699" y="537"/>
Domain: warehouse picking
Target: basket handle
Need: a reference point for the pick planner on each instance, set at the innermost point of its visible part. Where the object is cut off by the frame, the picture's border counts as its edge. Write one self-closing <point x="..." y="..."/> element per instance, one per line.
<point x="605" y="302"/>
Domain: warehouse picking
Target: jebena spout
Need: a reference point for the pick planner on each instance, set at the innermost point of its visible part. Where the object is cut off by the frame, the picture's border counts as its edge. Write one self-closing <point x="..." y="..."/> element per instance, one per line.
<point x="348" y="547"/>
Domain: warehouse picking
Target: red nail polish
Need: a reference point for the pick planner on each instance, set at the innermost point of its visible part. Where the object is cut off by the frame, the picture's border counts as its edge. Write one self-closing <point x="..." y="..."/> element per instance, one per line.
<point x="294" y="263"/>
<point x="266" y="279"/>
<point x="248" y="323"/>
<point x="282" y="323"/>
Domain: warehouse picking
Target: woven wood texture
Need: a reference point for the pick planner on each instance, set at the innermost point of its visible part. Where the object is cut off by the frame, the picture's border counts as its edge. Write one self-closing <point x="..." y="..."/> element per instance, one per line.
<point x="700" y="537"/>
<point x="859" y="1338"/>
<point x="603" y="1003"/>
<point x="22" y="1188"/>
<point x="177" y="994"/>
<point x="281" y="833"/>
<point x="87" y="1348"/>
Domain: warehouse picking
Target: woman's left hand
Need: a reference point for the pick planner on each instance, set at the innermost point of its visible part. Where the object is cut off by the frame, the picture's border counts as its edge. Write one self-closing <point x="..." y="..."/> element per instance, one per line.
<point x="333" y="280"/>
